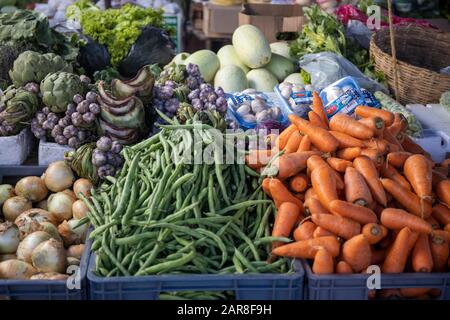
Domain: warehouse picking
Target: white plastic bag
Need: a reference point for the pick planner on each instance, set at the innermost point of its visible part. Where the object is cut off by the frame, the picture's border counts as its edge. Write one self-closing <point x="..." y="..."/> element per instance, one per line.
<point x="326" y="68"/>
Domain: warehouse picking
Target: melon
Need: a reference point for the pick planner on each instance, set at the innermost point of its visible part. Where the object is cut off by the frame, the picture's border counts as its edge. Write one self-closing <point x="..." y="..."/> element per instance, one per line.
<point x="207" y="62"/>
<point x="181" y="57"/>
<point x="261" y="80"/>
<point x="281" y="48"/>
<point x="295" y="78"/>
<point x="251" y="46"/>
<point x="227" y="56"/>
<point x="231" y="78"/>
<point x="280" y="66"/>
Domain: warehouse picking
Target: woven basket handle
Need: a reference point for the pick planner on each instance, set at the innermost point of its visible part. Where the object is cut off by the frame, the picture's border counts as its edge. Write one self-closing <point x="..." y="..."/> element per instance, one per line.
<point x="393" y="50"/>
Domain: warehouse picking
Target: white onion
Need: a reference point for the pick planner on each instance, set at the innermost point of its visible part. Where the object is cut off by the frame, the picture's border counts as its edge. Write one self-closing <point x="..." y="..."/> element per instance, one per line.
<point x="72" y="235"/>
<point x="58" y="176"/>
<point x="30" y="242"/>
<point x="75" y="251"/>
<point x="49" y="276"/>
<point x="14" y="206"/>
<point x="51" y="229"/>
<point x="49" y="256"/>
<point x="42" y="205"/>
<point x="6" y="192"/>
<point x="79" y="209"/>
<point x="70" y="193"/>
<point x="83" y="186"/>
<point x="30" y="221"/>
<point x="9" y="256"/>
<point x="71" y="261"/>
<point x="60" y="205"/>
<point x="32" y="188"/>
<point x="16" y="269"/>
<point x="9" y="238"/>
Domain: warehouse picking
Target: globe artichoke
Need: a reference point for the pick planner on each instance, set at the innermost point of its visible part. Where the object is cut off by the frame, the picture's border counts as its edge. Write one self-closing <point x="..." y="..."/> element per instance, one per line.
<point x="17" y="107"/>
<point x="80" y="162"/>
<point x="32" y="66"/>
<point x="59" y="88"/>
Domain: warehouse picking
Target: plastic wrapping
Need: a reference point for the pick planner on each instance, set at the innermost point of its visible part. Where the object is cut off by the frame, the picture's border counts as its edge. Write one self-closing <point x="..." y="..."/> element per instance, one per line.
<point x="326" y="68"/>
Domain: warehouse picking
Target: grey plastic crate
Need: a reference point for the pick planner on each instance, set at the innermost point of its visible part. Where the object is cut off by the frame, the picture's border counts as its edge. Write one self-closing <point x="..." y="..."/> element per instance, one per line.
<point x="15" y="149"/>
<point x="244" y="286"/>
<point x="354" y="286"/>
<point x="42" y="289"/>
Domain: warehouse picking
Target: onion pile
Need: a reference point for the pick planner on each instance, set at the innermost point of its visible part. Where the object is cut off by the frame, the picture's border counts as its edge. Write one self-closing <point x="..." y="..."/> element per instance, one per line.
<point x="42" y="234"/>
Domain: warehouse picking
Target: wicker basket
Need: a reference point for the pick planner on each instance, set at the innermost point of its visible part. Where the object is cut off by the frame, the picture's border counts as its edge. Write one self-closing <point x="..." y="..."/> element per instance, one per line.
<point x="421" y="53"/>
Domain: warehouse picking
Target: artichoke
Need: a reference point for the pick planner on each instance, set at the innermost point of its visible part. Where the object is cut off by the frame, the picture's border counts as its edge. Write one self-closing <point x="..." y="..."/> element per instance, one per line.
<point x="17" y="107"/>
<point x="59" y="88"/>
<point x="32" y="66"/>
<point x="80" y="162"/>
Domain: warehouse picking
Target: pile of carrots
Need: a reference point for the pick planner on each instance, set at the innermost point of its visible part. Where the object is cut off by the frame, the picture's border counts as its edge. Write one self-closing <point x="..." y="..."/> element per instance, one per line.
<point x="357" y="191"/>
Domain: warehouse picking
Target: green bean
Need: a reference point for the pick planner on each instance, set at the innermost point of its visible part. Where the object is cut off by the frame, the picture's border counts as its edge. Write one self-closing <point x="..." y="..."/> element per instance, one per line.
<point x="211" y="204"/>
<point x="101" y="229"/>
<point x="156" y="249"/>
<point x="131" y="205"/>
<point x="129" y="180"/>
<point x="241" y="205"/>
<point x="135" y="238"/>
<point x="244" y="261"/>
<point x="179" y="199"/>
<point x="182" y="180"/>
<point x="112" y="257"/>
<point x="169" y="265"/>
<point x="221" y="182"/>
<point x="247" y="241"/>
<point x="219" y="242"/>
<point x="264" y="222"/>
<point x="180" y="213"/>
<point x="272" y="239"/>
<point x="237" y="265"/>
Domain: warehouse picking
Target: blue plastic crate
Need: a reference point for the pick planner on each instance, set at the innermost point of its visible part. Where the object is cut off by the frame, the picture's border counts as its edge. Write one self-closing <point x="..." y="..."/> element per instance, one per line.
<point x="244" y="286"/>
<point x="286" y="107"/>
<point x="41" y="289"/>
<point x="354" y="286"/>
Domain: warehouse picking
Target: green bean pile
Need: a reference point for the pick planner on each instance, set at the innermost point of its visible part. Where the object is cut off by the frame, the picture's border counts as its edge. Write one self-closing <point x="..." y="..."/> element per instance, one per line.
<point x="160" y="216"/>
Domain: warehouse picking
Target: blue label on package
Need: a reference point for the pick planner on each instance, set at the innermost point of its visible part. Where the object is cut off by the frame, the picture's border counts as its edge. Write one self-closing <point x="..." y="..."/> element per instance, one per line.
<point x="302" y="97"/>
<point x="370" y="99"/>
<point x="346" y="103"/>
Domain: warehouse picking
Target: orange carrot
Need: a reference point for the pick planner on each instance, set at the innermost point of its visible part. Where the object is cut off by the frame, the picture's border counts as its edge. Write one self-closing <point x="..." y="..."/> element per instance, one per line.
<point x="390" y="172"/>
<point x="305" y="144"/>
<point x="307" y="249"/>
<point x="313" y="205"/>
<point x="392" y="140"/>
<point x="317" y="107"/>
<point x="374" y="232"/>
<point x="414" y="292"/>
<point x="315" y="162"/>
<point x="397" y="159"/>
<point x="343" y="267"/>
<point x="400" y="123"/>
<point x="324" y="183"/>
<point x="339" y="165"/>
<point x="315" y="120"/>
<point x="418" y="172"/>
<point x="347" y="141"/>
<point x="374" y="123"/>
<point x="340" y="226"/>
<point x="397" y="219"/>
<point x="381" y="145"/>
<point x="293" y="142"/>
<point x="304" y="231"/>
<point x="367" y="169"/>
<point x="258" y="158"/>
<point x="439" y="251"/>
<point x="323" y="262"/>
<point x="281" y="194"/>
<point x="321" y="232"/>
<point x="346" y="124"/>
<point x="352" y="211"/>
<point x="408" y="199"/>
<point x="410" y="146"/>
<point x="310" y="193"/>
<point x="378" y="257"/>
<point x="289" y="165"/>
<point x="299" y="182"/>
<point x="396" y="258"/>
<point x="433" y="222"/>
<point x="357" y="253"/>
<point x="285" y="220"/>
<point x="266" y="186"/>
<point x="349" y="153"/>
<point x="442" y="214"/>
<point x="356" y="189"/>
<point x="367" y="112"/>
<point x="422" y="260"/>
<point x="373" y="155"/>
<point x="320" y="137"/>
<point x="284" y="136"/>
<point x="443" y="192"/>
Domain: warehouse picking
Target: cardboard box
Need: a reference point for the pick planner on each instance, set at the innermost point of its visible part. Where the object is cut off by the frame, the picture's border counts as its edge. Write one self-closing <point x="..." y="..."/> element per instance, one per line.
<point x="220" y="21"/>
<point x="272" y="19"/>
